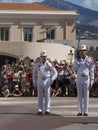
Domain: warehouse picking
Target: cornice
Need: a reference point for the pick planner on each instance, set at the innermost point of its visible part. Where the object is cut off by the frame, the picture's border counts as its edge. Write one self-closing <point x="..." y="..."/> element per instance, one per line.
<point x="37" y="14"/>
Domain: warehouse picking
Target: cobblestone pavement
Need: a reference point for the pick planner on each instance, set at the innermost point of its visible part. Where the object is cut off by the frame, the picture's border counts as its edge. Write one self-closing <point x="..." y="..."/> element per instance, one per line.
<point x="21" y="114"/>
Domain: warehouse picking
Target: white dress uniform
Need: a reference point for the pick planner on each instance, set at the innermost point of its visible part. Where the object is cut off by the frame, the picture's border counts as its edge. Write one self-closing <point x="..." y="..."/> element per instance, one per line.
<point x="43" y="76"/>
<point x="85" y="75"/>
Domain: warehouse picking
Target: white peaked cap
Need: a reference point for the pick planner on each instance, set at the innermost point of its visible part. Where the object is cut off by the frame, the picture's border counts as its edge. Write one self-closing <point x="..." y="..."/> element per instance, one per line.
<point x="83" y="47"/>
<point x="43" y="53"/>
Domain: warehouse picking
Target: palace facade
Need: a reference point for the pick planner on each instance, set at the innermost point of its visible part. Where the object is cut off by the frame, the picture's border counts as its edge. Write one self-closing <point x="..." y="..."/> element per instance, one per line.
<point x="26" y="29"/>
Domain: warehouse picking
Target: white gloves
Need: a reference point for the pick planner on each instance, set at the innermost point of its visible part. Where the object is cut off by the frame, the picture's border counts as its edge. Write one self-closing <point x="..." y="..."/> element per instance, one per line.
<point x="91" y="83"/>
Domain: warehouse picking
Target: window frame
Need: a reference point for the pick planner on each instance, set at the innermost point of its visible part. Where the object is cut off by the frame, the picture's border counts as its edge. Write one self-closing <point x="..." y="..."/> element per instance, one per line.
<point x="9" y="31"/>
<point x="28" y="34"/>
<point x="22" y="30"/>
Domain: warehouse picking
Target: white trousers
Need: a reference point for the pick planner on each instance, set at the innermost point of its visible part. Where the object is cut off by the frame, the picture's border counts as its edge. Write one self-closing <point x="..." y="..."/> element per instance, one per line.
<point x="83" y="91"/>
<point x="43" y="87"/>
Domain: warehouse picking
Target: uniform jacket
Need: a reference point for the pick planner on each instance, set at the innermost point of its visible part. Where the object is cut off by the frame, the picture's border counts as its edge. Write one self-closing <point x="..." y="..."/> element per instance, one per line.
<point x="84" y="67"/>
<point x="44" y="71"/>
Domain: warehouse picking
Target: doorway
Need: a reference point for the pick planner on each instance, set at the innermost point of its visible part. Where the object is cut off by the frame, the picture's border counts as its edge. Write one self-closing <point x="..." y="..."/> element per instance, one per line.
<point x="6" y="60"/>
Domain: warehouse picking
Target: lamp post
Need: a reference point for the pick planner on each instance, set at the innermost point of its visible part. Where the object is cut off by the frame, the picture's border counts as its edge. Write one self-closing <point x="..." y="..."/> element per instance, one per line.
<point x="70" y="56"/>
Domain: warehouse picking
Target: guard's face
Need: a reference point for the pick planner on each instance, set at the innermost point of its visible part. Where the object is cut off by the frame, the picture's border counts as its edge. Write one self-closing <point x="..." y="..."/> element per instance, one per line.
<point x="43" y="58"/>
<point x="83" y="53"/>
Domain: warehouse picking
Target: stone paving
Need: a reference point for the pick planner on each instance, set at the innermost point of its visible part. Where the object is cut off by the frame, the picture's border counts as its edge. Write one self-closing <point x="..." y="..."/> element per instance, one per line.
<point x="65" y="106"/>
<point x="21" y="114"/>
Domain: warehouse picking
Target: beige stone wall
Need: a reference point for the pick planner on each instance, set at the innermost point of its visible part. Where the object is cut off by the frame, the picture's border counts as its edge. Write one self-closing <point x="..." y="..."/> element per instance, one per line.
<point x="37" y="30"/>
<point x="59" y="33"/>
<point x="11" y="49"/>
<point x="16" y="33"/>
<point x="70" y="30"/>
<point x="22" y="50"/>
<point x="55" y="51"/>
<point x="64" y="30"/>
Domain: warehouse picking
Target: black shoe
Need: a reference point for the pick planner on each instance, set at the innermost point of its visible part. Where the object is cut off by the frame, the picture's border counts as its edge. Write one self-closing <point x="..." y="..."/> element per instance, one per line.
<point x="47" y="113"/>
<point x="39" y="113"/>
<point x="79" y="114"/>
<point x="85" y="114"/>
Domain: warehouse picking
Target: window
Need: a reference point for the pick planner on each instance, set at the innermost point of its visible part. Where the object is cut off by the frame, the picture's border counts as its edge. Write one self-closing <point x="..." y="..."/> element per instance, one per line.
<point x="4" y="33"/>
<point x="27" y="34"/>
<point x="50" y="33"/>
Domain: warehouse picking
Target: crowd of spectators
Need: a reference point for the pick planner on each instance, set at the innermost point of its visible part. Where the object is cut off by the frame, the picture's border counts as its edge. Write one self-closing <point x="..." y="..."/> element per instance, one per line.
<point x="16" y="80"/>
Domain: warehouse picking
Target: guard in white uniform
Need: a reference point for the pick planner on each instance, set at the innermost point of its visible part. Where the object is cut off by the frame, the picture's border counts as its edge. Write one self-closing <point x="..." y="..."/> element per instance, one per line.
<point x="44" y="74"/>
<point x="84" y="67"/>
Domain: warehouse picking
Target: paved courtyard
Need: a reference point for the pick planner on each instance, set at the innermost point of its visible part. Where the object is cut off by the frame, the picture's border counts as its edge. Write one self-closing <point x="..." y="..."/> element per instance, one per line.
<point x="21" y="114"/>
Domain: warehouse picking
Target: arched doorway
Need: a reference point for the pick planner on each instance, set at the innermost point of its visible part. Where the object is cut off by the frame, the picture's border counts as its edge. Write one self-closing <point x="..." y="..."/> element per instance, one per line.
<point x="6" y="60"/>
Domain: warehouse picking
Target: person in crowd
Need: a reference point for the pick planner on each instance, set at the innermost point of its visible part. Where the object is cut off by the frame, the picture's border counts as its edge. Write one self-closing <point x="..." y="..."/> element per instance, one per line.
<point x="1" y="84"/>
<point x="23" y="76"/>
<point x="44" y="73"/>
<point x="67" y="75"/>
<point x="73" y="85"/>
<point x="16" y="92"/>
<point x="94" y="90"/>
<point x="16" y="77"/>
<point x="3" y="72"/>
<point x="9" y="77"/>
<point x="29" y="83"/>
<point x="5" y="91"/>
<point x="55" y="89"/>
<point x="60" y="77"/>
<point x="84" y="67"/>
